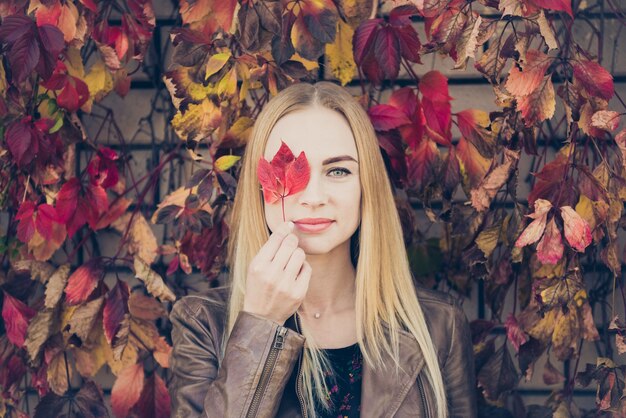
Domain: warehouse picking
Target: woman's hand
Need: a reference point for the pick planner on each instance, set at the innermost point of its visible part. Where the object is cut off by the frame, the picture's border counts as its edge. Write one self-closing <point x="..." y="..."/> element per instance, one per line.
<point x="278" y="277"/>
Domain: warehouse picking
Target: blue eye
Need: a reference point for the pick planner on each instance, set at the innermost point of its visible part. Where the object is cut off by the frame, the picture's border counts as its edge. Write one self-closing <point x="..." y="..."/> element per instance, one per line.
<point x="344" y="171"/>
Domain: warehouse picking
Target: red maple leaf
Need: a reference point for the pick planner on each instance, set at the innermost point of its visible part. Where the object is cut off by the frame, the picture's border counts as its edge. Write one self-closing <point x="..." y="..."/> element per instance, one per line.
<point x="76" y="205"/>
<point x="284" y="175"/>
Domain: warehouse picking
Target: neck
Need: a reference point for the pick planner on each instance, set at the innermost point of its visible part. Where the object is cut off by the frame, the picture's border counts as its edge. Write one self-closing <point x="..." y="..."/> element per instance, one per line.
<point x="332" y="285"/>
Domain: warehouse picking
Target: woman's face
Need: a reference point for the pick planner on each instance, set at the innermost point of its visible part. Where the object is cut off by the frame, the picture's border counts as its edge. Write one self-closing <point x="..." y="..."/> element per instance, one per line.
<point x="327" y="211"/>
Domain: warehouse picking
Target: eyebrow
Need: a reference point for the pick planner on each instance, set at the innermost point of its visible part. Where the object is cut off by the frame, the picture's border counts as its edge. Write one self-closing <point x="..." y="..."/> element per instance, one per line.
<point x="337" y="159"/>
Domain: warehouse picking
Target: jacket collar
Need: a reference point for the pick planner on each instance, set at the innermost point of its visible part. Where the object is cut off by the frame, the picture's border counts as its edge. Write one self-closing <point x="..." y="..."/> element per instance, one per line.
<point x="382" y="390"/>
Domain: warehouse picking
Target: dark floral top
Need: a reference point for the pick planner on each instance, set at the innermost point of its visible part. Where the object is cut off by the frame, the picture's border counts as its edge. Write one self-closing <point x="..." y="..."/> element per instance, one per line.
<point x="345" y="390"/>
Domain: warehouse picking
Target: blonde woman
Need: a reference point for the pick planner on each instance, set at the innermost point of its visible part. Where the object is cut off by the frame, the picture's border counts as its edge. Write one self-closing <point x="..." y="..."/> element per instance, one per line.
<point x="321" y="317"/>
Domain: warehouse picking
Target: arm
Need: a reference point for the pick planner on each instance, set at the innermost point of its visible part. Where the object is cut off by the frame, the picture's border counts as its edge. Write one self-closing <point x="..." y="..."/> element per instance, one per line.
<point x="200" y="388"/>
<point x="458" y="373"/>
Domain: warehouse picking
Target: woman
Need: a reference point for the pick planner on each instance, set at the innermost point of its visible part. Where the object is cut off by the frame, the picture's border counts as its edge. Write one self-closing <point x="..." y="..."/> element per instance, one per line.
<point x="321" y="317"/>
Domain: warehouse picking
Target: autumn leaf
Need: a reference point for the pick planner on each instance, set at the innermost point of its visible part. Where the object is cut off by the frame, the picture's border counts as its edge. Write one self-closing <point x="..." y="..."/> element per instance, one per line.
<point x="535" y="229"/>
<point x="488" y="188"/>
<point x="225" y="162"/>
<point x="514" y="333"/>
<point x="43" y="325"/>
<point x="539" y="105"/>
<point x="153" y="281"/>
<point x="473" y="165"/>
<point x="16" y="315"/>
<point x="526" y="81"/>
<point x="558" y="5"/>
<point x="436" y="107"/>
<point x="127" y="389"/>
<point x="605" y="119"/>
<point x="141" y="241"/>
<point x="594" y="79"/>
<point x="550" y="247"/>
<point x="339" y="54"/>
<point x="155" y="398"/>
<point x="285" y="175"/>
<point x="102" y="168"/>
<point x="474" y="126"/>
<point x="422" y="165"/>
<point x="198" y="121"/>
<point x="498" y="375"/>
<point x="576" y="229"/>
<point x="83" y="281"/>
<point x="115" y="309"/>
<point x="56" y="285"/>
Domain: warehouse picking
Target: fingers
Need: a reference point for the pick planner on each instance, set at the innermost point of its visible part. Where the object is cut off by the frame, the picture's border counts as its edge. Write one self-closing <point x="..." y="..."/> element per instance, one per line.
<point x="302" y="281"/>
<point x="284" y="253"/>
<point x="295" y="263"/>
<point x="267" y="252"/>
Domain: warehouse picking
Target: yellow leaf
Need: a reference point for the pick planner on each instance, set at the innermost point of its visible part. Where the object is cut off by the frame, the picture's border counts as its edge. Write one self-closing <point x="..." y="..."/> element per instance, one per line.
<point x="584" y="208"/>
<point x="226" y="161"/>
<point x="240" y="130"/>
<point x="178" y="197"/>
<point x="3" y="80"/>
<point x="308" y="64"/>
<point x="216" y="63"/>
<point x="228" y="85"/>
<point x="339" y="54"/>
<point x="153" y="281"/>
<point x="100" y="83"/>
<point x="74" y="63"/>
<point x="198" y="122"/>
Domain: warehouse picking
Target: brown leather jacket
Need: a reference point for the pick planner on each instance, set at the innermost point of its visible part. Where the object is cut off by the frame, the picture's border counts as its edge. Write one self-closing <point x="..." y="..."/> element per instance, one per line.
<point x="257" y="376"/>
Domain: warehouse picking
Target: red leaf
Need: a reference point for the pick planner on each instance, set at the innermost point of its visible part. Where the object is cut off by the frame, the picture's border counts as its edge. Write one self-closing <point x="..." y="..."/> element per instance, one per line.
<point x="387" y="52"/>
<point x="386" y="117"/>
<point x="577" y="230"/>
<point x="514" y="333"/>
<point x="26" y="227"/>
<point x="526" y="81"/>
<point x="422" y="164"/>
<point x="115" y="308"/>
<point x="155" y="399"/>
<point x="102" y="168"/>
<point x="559" y="5"/>
<point x="96" y="204"/>
<point x="20" y="141"/>
<point x="284" y="175"/>
<point x="16" y="315"/>
<point x="74" y="94"/>
<point x="363" y="39"/>
<point x="83" y="281"/>
<point x="127" y="389"/>
<point x="90" y="5"/>
<point x="46" y="215"/>
<point x="550" y="248"/>
<point x="594" y="79"/>
<point x="24" y="56"/>
<point x="67" y="200"/>
<point x="436" y="107"/>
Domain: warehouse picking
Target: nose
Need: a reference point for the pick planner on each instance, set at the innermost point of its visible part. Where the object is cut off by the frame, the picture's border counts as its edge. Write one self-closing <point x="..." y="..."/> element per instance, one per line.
<point x="314" y="193"/>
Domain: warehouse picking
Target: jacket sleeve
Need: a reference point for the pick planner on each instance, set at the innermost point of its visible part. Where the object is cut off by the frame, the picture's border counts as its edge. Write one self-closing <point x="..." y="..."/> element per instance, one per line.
<point x="459" y="374"/>
<point x="258" y="348"/>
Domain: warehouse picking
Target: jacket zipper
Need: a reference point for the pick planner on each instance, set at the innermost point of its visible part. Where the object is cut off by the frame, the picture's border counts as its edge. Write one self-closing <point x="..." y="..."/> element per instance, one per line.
<point x="298" y="379"/>
<point x="268" y="368"/>
<point x="420" y="387"/>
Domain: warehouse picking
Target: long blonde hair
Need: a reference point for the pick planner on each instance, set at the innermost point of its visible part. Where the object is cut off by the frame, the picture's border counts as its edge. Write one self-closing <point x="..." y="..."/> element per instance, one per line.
<point x="384" y="285"/>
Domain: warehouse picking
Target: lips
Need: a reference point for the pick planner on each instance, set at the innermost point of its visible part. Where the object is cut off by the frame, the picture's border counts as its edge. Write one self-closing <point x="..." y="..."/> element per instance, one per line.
<point x="313" y="225"/>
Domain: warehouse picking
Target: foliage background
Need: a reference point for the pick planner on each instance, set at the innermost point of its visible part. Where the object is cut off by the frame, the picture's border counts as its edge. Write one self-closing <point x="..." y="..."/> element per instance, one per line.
<point x="122" y="120"/>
